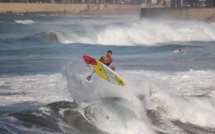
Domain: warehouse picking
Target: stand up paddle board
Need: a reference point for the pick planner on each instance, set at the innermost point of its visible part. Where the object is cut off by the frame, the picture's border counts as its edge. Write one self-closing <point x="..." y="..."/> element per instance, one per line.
<point x="104" y="71"/>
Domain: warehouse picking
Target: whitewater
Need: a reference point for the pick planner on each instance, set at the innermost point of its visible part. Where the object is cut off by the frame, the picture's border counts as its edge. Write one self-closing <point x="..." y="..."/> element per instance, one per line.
<point x="43" y="86"/>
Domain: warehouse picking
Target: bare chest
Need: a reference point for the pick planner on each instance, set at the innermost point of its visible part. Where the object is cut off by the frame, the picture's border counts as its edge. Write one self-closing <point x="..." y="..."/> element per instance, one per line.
<point x="106" y="59"/>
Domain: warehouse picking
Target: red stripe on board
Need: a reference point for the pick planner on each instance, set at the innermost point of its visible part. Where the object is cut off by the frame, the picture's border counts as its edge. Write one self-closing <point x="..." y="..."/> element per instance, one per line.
<point x="89" y="60"/>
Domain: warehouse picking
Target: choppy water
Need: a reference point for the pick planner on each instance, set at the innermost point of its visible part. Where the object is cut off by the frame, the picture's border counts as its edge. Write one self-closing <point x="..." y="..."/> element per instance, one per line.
<point x="43" y="86"/>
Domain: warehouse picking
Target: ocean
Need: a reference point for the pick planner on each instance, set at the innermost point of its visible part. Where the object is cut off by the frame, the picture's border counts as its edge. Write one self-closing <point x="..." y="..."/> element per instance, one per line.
<point x="169" y="67"/>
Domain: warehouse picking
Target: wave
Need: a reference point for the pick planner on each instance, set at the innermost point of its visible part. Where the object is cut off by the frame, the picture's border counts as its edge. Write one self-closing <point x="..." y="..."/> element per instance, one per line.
<point x="166" y="113"/>
<point x="61" y="37"/>
<point x="145" y="32"/>
<point x="144" y="106"/>
<point x="192" y="82"/>
<point x="168" y="98"/>
<point x="132" y="33"/>
<point x="118" y="30"/>
<point x="107" y="115"/>
<point x="24" y="22"/>
<point x="184" y="97"/>
<point x="196" y="110"/>
<point x="54" y="36"/>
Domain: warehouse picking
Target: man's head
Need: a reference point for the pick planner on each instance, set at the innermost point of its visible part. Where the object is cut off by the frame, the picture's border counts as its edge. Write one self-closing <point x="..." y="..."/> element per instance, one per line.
<point x="109" y="53"/>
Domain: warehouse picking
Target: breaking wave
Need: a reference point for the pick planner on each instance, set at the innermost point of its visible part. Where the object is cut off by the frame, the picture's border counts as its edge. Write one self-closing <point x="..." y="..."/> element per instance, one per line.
<point x="144" y="106"/>
<point x="132" y="33"/>
<point x="24" y="22"/>
<point x="139" y="33"/>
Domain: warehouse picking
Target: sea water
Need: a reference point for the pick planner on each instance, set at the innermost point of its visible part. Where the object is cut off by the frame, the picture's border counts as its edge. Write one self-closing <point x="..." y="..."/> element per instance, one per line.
<point x="168" y="66"/>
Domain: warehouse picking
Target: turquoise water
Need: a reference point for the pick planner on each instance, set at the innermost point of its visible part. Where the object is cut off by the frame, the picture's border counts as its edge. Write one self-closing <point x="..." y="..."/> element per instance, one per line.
<point x="43" y="86"/>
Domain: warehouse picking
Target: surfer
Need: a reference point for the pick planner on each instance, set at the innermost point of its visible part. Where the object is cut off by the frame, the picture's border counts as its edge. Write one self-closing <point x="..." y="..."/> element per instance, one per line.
<point x="180" y="50"/>
<point x="107" y="60"/>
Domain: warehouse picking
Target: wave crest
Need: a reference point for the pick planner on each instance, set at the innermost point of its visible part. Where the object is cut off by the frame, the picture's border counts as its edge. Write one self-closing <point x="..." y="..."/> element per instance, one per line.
<point x="145" y="32"/>
<point x="24" y="22"/>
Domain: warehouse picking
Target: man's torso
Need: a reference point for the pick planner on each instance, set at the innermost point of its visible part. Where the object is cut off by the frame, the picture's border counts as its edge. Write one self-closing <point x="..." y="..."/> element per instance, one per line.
<point x="106" y="60"/>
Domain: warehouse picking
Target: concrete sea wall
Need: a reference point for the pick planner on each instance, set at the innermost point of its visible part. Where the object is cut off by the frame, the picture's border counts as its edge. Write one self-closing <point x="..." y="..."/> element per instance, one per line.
<point x="68" y="8"/>
<point x="207" y="14"/>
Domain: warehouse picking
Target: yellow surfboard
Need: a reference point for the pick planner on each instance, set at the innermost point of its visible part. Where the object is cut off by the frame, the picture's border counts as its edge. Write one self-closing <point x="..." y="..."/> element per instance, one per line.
<point x="104" y="71"/>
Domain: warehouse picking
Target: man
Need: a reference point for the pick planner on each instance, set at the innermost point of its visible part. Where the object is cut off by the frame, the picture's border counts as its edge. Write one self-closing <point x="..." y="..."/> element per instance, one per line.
<point x="180" y="50"/>
<point x="107" y="60"/>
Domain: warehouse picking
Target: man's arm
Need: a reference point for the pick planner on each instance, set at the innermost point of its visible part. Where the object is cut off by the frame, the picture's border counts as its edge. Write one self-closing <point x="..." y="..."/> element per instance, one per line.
<point x="101" y="59"/>
<point x="109" y="62"/>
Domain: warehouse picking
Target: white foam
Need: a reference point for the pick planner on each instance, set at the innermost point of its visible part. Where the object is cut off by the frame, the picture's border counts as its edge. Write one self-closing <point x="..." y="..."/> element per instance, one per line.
<point x="192" y="82"/>
<point x="175" y="95"/>
<point x="142" y="32"/>
<point x="153" y="32"/>
<point x="33" y="88"/>
<point x="117" y="122"/>
<point x="193" y="110"/>
<point x="185" y="96"/>
<point x="24" y="21"/>
<point x="130" y="127"/>
<point x="118" y="116"/>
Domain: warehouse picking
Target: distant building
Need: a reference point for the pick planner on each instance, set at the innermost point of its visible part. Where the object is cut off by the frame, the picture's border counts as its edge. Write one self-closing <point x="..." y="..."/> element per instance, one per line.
<point x="154" y="1"/>
<point x="192" y="3"/>
<point x="79" y="1"/>
<point x="177" y="3"/>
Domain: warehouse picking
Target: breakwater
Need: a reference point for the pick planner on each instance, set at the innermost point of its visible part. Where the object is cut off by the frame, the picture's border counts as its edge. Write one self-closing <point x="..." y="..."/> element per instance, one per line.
<point x="207" y="14"/>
